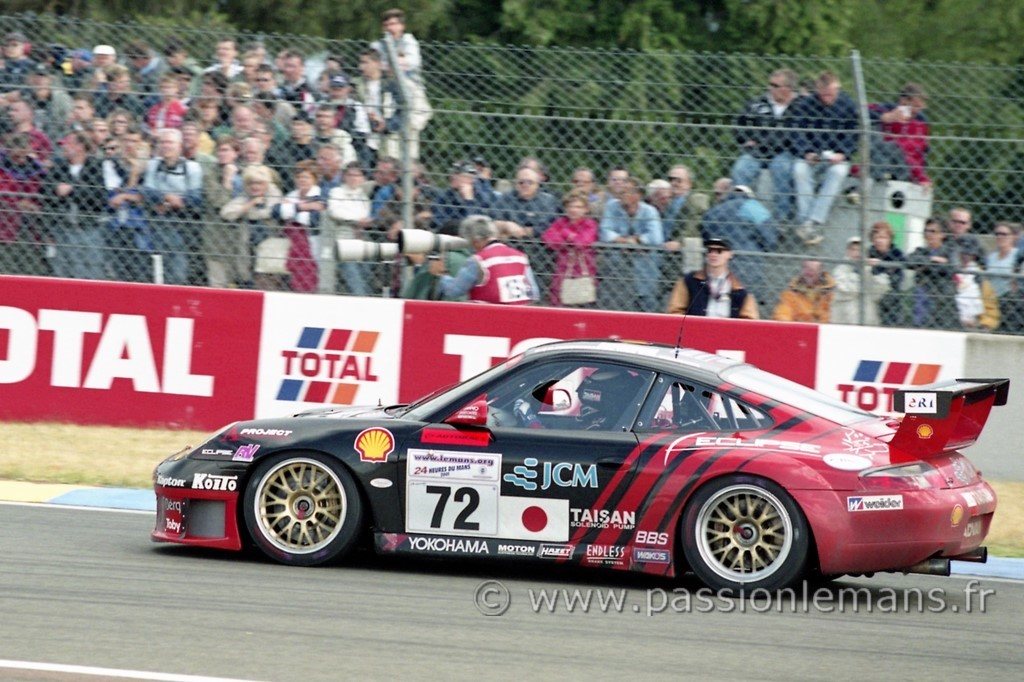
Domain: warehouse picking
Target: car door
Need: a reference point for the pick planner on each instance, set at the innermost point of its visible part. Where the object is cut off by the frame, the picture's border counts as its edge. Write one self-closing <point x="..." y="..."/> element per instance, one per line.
<point x="551" y="459"/>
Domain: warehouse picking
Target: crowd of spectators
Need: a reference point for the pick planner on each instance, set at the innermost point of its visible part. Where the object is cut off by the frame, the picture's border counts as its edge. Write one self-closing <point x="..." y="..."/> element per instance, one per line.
<point x="244" y="172"/>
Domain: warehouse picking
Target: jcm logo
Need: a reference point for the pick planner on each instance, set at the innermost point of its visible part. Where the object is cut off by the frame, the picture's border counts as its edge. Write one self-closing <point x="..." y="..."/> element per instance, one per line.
<point x="328" y="365"/>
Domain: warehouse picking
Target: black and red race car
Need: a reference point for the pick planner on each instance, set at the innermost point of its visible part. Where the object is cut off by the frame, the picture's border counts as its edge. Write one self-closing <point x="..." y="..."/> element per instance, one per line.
<point x="607" y="454"/>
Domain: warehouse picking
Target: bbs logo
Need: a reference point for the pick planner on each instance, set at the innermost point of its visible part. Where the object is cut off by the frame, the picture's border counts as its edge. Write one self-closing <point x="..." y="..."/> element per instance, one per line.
<point x="650" y="537"/>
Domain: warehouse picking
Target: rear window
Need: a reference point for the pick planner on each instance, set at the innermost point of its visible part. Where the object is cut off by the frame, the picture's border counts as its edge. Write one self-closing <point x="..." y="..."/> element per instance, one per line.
<point x="797" y="395"/>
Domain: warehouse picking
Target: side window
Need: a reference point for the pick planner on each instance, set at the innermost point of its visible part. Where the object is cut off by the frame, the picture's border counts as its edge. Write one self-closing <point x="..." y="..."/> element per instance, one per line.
<point x="583" y="395"/>
<point x="681" y="405"/>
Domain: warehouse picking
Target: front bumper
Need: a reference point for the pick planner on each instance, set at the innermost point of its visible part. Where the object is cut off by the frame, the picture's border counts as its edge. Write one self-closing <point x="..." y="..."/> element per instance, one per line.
<point x="856" y="532"/>
<point x="197" y="503"/>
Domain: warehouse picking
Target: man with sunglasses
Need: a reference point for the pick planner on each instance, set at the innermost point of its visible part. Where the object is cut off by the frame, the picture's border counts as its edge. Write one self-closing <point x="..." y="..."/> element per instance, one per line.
<point x="713" y="291"/>
<point x="962" y="239"/>
<point x="764" y="142"/>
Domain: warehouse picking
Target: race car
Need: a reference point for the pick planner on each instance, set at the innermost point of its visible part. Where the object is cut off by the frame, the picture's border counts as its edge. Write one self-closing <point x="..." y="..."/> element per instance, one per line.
<point x="610" y="454"/>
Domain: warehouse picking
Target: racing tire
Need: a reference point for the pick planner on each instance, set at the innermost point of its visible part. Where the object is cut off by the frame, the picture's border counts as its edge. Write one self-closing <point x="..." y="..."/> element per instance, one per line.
<point x="743" y="533"/>
<point x="302" y="509"/>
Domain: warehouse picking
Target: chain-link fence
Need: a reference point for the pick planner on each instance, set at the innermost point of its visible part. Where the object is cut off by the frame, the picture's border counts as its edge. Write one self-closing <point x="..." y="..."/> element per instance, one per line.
<point x="88" y="188"/>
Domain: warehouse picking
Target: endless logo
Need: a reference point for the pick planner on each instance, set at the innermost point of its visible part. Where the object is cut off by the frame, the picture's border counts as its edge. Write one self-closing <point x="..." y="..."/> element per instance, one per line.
<point x="328" y="365"/>
<point x="874" y="503"/>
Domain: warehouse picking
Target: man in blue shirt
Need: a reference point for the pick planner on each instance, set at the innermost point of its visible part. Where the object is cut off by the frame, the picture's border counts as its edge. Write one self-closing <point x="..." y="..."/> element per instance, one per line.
<point x="824" y="140"/>
<point x="636" y="226"/>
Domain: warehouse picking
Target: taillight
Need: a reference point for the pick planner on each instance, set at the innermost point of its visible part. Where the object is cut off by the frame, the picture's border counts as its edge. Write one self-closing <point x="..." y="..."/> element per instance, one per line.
<point x="918" y="475"/>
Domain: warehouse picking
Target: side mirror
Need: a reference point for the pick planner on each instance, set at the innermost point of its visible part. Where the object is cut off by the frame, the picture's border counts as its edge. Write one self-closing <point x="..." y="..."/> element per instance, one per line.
<point x="473" y="414"/>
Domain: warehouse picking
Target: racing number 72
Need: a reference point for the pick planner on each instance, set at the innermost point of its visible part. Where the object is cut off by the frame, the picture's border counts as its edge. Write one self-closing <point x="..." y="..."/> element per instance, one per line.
<point x="472" y="498"/>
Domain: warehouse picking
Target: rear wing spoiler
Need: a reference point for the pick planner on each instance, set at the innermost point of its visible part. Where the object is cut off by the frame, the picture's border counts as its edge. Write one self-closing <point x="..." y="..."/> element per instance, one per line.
<point x="944" y="416"/>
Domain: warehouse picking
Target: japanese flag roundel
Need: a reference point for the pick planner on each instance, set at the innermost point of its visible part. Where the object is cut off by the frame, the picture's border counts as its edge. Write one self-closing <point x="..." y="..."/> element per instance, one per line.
<point x="531" y="518"/>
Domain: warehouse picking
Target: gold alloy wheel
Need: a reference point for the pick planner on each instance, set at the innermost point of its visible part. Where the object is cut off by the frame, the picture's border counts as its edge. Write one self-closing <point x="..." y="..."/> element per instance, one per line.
<point x="744" y="533"/>
<point x="300" y="505"/>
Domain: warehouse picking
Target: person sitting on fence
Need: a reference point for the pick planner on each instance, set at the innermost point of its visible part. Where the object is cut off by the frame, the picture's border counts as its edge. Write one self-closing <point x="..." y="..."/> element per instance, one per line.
<point x="497" y="273"/>
<point x="886" y="258"/>
<point x="632" y="223"/>
<point x="713" y="291"/>
<point x="410" y="62"/>
<point x="854" y="280"/>
<point x="905" y="128"/>
<point x="934" y="288"/>
<point x="764" y="143"/>
<point x="571" y="238"/>
<point x="823" y="141"/>
<point x="808" y="297"/>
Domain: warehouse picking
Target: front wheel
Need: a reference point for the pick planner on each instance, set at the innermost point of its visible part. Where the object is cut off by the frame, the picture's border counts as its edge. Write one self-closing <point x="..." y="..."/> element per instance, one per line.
<point x="302" y="510"/>
<point x="743" y="533"/>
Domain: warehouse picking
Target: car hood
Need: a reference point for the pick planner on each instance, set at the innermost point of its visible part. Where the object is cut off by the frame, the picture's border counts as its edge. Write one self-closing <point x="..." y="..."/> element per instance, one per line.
<point x="348" y="412"/>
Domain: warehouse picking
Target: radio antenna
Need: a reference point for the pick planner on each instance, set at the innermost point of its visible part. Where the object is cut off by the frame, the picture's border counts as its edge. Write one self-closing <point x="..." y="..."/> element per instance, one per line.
<point x="703" y="285"/>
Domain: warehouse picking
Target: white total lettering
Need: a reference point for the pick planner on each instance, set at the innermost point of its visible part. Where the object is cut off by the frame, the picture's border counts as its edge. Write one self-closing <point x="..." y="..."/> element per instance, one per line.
<point x="69" y="328"/>
<point x="124" y="352"/>
<point x="21" y="345"/>
<point x="177" y="376"/>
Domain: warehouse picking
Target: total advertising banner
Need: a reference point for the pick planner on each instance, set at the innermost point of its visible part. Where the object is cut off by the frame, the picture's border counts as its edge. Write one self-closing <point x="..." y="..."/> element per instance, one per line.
<point x="318" y="351"/>
<point x="864" y="366"/>
<point x="450" y="342"/>
<point x="109" y="353"/>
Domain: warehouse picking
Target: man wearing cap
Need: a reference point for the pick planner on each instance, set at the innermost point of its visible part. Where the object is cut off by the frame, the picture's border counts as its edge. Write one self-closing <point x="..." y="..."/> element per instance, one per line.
<point x="464" y="196"/>
<point x="497" y="273"/>
<point x="103" y="57"/>
<point x="713" y="291"/>
<point x="748" y="226"/>
<point x="350" y="116"/>
<point x="16" y="64"/>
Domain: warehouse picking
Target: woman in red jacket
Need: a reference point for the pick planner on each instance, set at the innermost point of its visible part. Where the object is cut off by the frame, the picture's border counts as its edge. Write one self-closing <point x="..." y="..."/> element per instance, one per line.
<point x="571" y="238"/>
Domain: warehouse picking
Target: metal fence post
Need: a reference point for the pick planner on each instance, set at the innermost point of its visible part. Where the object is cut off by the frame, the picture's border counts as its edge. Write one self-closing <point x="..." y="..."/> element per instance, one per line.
<point x="865" y="178"/>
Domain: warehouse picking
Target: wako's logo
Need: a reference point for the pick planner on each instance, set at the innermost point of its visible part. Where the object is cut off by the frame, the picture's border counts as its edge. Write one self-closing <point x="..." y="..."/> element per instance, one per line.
<point x="328" y="365"/>
<point x="874" y="382"/>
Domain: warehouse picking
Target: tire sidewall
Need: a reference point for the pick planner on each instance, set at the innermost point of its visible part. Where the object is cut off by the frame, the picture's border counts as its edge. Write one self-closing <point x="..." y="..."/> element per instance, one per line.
<point x="337" y="547"/>
<point x="794" y="565"/>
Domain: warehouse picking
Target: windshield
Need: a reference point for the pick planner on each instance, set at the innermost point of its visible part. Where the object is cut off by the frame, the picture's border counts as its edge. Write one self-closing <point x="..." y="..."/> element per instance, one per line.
<point x="797" y="395"/>
<point x="424" y="407"/>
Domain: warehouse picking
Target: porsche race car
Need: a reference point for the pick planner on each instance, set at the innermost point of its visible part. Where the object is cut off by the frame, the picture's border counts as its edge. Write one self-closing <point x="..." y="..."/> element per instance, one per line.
<point x="626" y="456"/>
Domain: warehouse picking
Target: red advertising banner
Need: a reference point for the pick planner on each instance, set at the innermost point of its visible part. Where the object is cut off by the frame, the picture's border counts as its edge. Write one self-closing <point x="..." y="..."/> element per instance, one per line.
<point x="127" y="354"/>
<point x="447" y="342"/>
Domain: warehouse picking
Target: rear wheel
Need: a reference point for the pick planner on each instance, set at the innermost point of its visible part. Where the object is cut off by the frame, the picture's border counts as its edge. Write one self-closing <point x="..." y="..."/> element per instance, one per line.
<point x="744" y="533"/>
<point x="303" y="509"/>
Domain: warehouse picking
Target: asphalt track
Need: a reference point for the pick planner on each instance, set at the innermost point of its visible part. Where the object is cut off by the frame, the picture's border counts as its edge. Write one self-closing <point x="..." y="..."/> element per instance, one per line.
<point x="87" y="587"/>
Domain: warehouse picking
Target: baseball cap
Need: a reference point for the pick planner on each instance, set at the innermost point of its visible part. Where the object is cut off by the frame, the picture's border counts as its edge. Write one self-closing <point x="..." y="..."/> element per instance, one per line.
<point x="853" y="240"/>
<point x="339" y="81"/>
<point x="463" y="167"/>
<point x="744" y="190"/>
<point x="104" y="49"/>
<point x="719" y="242"/>
<point x="15" y="37"/>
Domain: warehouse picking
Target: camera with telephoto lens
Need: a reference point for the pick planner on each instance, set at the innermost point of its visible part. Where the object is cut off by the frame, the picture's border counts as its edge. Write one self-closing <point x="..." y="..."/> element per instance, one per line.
<point x="409" y="242"/>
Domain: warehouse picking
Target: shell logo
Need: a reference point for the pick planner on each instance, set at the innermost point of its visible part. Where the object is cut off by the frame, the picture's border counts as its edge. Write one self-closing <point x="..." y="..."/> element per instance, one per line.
<point x="374" y="444"/>
<point x="925" y="431"/>
<point x="957" y="516"/>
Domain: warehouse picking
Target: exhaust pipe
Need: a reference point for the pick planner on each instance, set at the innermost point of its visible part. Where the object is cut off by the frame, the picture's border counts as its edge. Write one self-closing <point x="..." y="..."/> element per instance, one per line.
<point x="978" y="556"/>
<point x="930" y="567"/>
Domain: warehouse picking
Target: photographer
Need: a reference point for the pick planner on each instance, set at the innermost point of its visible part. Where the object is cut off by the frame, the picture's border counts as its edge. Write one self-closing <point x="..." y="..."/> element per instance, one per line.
<point x="496" y="274"/>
